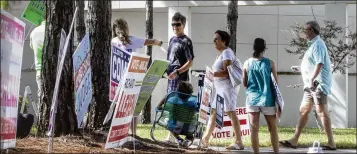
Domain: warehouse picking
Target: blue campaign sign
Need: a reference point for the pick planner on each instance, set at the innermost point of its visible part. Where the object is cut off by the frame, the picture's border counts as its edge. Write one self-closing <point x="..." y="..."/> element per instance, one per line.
<point x="84" y="96"/>
<point x="82" y="78"/>
<point x="81" y="52"/>
<point x="219" y="110"/>
<point x="118" y="63"/>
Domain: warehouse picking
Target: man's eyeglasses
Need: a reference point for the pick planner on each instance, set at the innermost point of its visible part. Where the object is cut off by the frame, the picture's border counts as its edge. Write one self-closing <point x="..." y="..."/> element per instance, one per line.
<point x="176" y="24"/>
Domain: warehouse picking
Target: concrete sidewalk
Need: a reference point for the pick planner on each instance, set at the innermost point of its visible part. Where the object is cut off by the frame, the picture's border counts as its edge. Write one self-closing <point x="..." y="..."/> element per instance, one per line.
<point x="282" y="150"/>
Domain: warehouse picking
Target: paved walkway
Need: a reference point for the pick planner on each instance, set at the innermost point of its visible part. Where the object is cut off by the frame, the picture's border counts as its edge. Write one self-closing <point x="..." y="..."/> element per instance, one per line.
<point x="282" y="150"/>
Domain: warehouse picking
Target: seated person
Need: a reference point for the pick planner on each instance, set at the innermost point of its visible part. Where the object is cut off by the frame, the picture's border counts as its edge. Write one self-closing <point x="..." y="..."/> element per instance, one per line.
<point x="186" y="106"/>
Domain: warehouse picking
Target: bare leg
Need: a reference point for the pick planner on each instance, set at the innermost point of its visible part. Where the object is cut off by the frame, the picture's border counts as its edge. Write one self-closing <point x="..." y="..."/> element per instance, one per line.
<point x="210" y="127"/>
<point x="236" y="126"/>
<point x="305" y="109"/>
<point x="322" y="111"/>
<point x="254" y="127"/>
<point x="273" y="130"/>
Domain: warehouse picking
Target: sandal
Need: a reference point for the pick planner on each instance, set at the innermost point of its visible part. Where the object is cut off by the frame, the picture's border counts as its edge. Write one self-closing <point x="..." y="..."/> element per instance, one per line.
<point x="326" y="147"/>
<point x="235" y="146"/>
<point x="286" y="143"/>
<point x="204" y="145"/>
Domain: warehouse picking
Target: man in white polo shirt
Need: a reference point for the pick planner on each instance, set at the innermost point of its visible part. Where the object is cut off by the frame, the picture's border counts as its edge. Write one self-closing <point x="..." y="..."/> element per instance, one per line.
<point x="37" y="38"/>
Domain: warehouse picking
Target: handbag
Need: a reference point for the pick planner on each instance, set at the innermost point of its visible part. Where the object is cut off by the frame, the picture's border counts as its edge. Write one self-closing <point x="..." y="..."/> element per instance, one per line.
<point x="235" y="71"/>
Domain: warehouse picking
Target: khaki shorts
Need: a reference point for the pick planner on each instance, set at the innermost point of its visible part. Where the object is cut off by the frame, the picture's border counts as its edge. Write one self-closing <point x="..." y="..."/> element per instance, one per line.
<point x="317" y="97"/>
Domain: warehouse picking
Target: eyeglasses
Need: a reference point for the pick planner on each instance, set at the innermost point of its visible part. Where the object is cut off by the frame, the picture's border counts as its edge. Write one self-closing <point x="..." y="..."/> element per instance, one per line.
<point x="176" y="24"/>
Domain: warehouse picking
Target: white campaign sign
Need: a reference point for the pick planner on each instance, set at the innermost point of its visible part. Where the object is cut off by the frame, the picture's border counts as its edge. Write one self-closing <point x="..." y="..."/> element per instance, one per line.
<point x="227" y="130"/>
<point x="12" y="44"/>
<point x="206" y="96"/>
<point x="128" y="96"/>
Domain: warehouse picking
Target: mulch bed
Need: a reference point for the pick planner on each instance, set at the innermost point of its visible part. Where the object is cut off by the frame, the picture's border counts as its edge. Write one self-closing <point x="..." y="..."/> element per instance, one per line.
<point x="79" y="144"/>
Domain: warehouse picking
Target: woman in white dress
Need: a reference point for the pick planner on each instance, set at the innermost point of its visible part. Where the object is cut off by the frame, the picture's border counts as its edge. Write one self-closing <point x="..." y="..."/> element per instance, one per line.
<point x="123" y="40"/>
<point x="225" y="89"/>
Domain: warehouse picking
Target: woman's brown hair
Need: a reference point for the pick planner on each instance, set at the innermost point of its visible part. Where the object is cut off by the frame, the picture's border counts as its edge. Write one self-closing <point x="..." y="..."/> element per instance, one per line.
<point x="123" y="26"/>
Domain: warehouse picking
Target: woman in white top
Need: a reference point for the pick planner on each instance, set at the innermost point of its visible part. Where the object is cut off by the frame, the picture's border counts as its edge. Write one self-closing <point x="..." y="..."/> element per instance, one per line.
<point x="122" y="39"/>
<point x="225" y="89"/>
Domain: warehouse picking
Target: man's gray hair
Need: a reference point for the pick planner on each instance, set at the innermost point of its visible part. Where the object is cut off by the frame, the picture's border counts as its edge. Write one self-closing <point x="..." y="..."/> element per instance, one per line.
<point x="314" y="26"/>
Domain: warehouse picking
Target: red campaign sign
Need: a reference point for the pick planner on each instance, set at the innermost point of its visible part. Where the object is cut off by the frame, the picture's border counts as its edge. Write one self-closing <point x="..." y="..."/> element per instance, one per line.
<point x="119" y="132"/>
<point x="8" y="128"/>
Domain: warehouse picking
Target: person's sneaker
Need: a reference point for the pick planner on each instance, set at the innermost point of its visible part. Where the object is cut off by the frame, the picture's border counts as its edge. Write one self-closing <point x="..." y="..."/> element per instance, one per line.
<point x="183" y="143"/>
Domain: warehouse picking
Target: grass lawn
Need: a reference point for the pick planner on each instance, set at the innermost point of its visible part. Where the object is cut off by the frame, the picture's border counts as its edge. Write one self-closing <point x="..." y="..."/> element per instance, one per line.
<point x="344" y="138"/>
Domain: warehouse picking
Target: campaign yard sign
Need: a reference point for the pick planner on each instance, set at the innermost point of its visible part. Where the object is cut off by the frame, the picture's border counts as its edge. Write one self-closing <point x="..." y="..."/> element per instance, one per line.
<point x="219" y="110"/>
<point x="227" y="130"/>
<point x="35" y="12"/>
<point x="152" y="77"/>
<point x="128" y="95"/>
<point x="82" y="78"/>
<point x="12" y="45"/>
<point x="118" y="63"/>
<point x="206" y="96"/>
<point x="279" y="101"/>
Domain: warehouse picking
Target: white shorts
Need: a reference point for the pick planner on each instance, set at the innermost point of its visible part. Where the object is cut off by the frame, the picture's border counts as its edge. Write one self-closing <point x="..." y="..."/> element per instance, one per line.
<point x="264" y="110"/>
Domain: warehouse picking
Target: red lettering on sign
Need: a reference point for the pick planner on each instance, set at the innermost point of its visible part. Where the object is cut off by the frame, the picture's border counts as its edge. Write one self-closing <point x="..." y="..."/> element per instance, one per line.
<point x="125" y="106"/>
<point x="241" y="111"/>
<point x="221" y="134"/>
<point x="8" y="128"/>
<point x="244" y="132"/>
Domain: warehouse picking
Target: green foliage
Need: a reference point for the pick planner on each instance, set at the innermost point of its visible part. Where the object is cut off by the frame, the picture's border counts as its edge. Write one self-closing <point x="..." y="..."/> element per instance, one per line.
<point x="334" y="38"/>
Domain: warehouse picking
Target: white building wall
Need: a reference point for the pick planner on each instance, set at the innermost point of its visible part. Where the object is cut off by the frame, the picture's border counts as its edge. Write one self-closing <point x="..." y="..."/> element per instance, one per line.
<point x="268" y="22"/>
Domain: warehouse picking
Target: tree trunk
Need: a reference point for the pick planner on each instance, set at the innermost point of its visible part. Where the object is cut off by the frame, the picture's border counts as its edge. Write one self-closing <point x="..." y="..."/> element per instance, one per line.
<point x="59" y="16"/>
<point x="80" y="25"/>
<point x="149" y="34"/>
<point x="232" y="18"/>
<point x="99" y="26"/>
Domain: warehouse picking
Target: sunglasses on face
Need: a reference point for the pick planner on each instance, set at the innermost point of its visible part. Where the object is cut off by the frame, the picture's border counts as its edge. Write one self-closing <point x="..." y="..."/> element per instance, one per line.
<point x="176" y="24"/>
